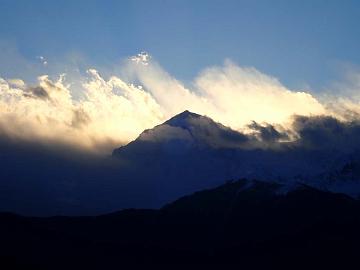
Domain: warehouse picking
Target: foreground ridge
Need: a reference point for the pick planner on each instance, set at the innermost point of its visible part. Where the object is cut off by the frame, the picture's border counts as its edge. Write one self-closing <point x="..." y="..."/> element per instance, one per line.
<point x="243" y="222"/>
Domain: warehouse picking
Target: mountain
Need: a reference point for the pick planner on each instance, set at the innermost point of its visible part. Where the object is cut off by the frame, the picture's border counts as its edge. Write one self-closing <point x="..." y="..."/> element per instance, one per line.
<point x="194" y="129"/>
<point x="186" y="153"/>
<point x="250" y="223"/>
<point x="180" y="135"/>
<point x="191" y="151"/>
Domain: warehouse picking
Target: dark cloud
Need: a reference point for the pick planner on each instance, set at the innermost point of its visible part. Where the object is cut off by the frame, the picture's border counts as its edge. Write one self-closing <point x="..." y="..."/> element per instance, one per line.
<point x="41" y="92"/>
<point x="327" y="132"/>
<point x="232" y="136"/>
<point x="50" y="178"/>
<point x="37" y="92"/>
<point x="268" y="133"/>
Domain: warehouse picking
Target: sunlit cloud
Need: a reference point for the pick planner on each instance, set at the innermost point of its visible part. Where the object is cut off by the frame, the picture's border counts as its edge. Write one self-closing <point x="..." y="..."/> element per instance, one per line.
<point x="113" y="111"/>
<point x="230" y="94"/>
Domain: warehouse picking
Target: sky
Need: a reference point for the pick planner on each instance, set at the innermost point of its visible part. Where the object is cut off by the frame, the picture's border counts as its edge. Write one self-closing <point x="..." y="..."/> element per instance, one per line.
<point x="73" y="71"/>
<point x="79" y="79"/>
<point x="303" y="43"/>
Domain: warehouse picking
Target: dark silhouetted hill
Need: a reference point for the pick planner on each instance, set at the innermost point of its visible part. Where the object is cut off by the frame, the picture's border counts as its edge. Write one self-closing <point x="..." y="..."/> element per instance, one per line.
<point x="250" y="223"/>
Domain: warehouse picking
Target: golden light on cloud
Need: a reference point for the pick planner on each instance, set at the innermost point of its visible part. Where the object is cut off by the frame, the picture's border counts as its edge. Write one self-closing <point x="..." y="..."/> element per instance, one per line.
<point x="112" y="112"/>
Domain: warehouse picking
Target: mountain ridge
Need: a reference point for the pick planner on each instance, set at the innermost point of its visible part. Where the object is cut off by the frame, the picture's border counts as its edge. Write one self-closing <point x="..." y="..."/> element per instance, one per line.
<point x="233" y="223"/>
<point x="148" y="173"/>
<point x="192" y="136"/>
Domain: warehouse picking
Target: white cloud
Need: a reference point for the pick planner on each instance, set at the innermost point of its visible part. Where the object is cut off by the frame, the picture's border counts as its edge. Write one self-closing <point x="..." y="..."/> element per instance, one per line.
<point x="230" y="94"/>
<point x="141" y="58"/>
<point x="111" y="111"/>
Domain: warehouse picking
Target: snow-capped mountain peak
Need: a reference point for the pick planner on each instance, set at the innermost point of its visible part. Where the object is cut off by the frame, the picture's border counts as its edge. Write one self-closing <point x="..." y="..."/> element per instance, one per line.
<point x="192" y="151"/>
<point x="195" y="128"/>
<point x="183" y="119"/>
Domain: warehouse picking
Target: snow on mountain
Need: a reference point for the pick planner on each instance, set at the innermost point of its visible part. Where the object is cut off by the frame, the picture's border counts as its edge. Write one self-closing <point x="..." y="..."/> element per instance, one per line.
<point x="187" y="153"/>
<point x="191" y="151"/>
<point x="195" y="129"/>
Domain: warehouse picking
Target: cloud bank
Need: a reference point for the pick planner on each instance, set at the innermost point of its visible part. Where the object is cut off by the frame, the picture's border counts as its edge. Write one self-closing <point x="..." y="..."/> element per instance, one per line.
<point x="115" y="110"/>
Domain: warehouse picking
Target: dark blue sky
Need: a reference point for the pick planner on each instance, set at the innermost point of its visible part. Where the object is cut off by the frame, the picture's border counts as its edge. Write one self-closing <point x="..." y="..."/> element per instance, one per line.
<point x="300" y="42"/>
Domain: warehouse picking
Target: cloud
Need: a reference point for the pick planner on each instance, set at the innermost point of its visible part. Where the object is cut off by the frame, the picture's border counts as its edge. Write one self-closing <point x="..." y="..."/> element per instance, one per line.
<point x="37" y="92"/>
<point x="18" y="83"/>
<point x="269" y="133"/>
<point x="242" y="95"/>
<point x="230" y="94"/>
<point x="141" y="58"/>
<point x="112" y="111"/>
<point x="43" y="60"/>
<point x="327" y="132"/>
<point x="80" y="118"/>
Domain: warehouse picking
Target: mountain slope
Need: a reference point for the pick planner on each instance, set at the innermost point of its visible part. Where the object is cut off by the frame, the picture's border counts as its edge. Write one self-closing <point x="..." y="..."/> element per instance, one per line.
<point x="188" y="152"/>
<point x="243" y="222"/>
<point x="184" y="131"/>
